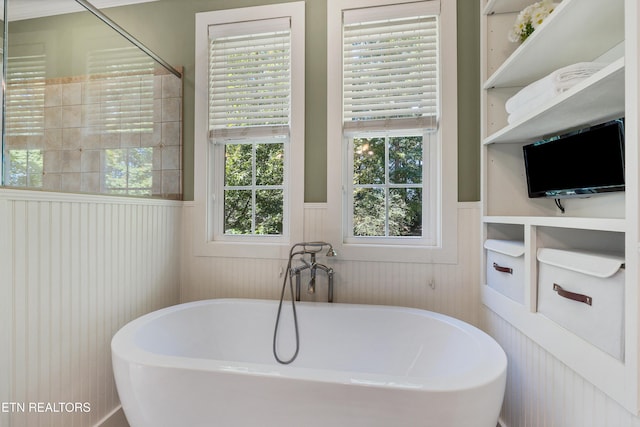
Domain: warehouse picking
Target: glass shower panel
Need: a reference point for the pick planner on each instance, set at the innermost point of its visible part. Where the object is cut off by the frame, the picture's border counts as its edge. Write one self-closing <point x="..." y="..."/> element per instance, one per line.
<point x="88" y="111"/>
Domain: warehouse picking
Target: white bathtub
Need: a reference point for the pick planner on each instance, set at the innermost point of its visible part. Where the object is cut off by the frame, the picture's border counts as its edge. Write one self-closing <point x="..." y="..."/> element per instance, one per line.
<point x="210" y="363"/>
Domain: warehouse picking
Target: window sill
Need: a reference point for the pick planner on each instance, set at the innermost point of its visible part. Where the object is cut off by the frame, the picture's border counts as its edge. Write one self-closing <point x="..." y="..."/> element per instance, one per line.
<point x="446" y="254"/>
<point x="242" y="250"/>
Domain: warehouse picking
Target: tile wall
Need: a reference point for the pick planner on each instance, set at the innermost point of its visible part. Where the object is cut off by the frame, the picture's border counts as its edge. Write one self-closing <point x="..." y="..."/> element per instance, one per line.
<point x="73" y="151"/>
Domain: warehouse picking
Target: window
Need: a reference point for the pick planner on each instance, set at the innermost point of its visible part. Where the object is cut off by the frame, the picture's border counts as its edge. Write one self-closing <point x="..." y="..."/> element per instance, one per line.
<point x="254" y="188"/>
<point x="251" y="140"/>
<point x="24" y="168"/>
<point x="128" y="171"/>
<point x="386" y="196"/>
<point x="391" y="94"/>
<point x="249" y="109"/>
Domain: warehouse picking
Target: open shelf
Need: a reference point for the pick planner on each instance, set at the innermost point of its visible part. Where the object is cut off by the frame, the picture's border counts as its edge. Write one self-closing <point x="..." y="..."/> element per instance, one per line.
<point x="505" y="6"/>
<point x="576" y="31"/>
<point x="604" y="224"/>
<point x="595" y="100"/>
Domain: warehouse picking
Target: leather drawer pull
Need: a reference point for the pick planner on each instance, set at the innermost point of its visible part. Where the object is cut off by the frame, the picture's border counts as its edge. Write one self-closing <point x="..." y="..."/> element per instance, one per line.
<point x="502" y="269"/>
<point x="572" y="296"/>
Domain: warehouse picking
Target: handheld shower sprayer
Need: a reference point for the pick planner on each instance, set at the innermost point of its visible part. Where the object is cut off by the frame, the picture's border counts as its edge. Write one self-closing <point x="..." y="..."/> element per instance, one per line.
<point x="301" y="249"/>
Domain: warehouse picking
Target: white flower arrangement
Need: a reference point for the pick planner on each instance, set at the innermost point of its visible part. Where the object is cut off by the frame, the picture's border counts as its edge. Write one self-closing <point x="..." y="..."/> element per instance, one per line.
<point x="529" y="19"/>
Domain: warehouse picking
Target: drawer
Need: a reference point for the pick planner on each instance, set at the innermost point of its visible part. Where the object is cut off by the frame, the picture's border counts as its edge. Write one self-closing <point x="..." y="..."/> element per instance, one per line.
<point x="584" y="293"/>
<point x="505" y="267"/>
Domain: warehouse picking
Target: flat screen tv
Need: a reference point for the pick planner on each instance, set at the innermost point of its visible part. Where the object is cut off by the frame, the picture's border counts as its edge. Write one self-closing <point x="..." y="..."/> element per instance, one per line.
<point x="577" y="164"/>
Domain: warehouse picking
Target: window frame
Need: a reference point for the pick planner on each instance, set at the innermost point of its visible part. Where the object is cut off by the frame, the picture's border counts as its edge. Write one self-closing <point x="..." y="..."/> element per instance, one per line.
<point x="29" y="153"/>
<point x="427" y="185"/>
<point x="127" y="189"/>
<point x="219" y="233"/>
<point x="444" y="149"/>
<point x="206" y="211"/>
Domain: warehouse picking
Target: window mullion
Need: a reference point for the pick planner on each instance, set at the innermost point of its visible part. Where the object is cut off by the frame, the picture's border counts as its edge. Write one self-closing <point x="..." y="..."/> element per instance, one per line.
<point x="253" y="187"/>
<point x="387" y="195"/>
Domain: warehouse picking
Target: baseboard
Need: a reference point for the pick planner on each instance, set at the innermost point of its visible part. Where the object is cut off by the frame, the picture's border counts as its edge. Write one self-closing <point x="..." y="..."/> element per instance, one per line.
<point x="115" y="418"/>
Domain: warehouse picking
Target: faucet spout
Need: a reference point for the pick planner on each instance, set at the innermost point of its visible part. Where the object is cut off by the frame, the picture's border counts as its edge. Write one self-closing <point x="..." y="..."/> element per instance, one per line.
<point x="311" y="249"/>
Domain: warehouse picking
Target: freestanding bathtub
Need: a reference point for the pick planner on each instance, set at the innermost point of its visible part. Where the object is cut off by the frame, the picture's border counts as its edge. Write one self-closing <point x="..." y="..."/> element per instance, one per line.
<point x="210" y="363"/>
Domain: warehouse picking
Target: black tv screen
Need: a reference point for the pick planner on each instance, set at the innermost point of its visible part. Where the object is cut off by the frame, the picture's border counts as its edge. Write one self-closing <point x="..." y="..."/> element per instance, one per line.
<point x="577" y="164"/>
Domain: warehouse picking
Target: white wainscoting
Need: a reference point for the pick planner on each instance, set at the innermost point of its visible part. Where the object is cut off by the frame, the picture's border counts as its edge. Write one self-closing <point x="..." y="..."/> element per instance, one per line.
<point x="73" y="270"/>
<point x="447" y="288"/>
<point x="542" y="391"/>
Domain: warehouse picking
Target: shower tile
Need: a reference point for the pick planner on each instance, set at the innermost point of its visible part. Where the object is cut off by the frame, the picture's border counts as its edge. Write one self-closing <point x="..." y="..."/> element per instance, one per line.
<point x="157" y="159"/>
<point x="157" y="110"/>
<point x="74" y="138"/>
<point x="71" y="94"/>
<point x="170" y="109"/>
<point x="171" y="86"/>
<point x="17" y="142"/>
<point x="152" y="139"/>
<point x="71" y="162"/>
<point x="110" y="140"/>
<point x="90" y="114"/>
<point x="157" y="87"/>
<point x="52" y="117"/>
<point x="35" y="141"/>
<point x="170" y="182"/>
<point x="130" y="140"/>
<point x="91" y="92"/>
<point x="52" y="162"/>
<point x="52" y="139"/>
<point x="71" y="182"/>
<point x="156" y="183"/>
<point x="53" y="95"/>
<point x="171" y="133"/>
<point x="71" y="138"/>
<point x="52" y="181"/>
<point x="90" y="140"/>
<point x="71" y="116"/>
<point x="90" y="160"/>
<point x="90" y="182"/>
<point x="171" y="157"/>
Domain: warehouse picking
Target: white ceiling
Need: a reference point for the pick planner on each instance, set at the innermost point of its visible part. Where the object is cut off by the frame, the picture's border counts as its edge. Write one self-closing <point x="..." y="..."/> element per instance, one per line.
<point x="25" y="9"/>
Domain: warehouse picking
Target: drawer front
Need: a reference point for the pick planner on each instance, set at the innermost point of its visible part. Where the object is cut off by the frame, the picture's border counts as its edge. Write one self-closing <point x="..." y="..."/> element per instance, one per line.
<point x="505" y="274"/>
<point x="591" y="307"/>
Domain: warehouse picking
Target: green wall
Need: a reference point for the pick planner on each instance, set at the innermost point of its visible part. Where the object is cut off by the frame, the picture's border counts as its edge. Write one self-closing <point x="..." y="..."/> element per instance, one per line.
<point x="167" y="27"/>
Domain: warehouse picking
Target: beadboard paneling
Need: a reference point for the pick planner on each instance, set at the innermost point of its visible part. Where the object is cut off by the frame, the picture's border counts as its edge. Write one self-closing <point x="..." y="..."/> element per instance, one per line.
<point x="542" y="391"/>
<point x="75" y="269"/>
<point x="447" y="288"/>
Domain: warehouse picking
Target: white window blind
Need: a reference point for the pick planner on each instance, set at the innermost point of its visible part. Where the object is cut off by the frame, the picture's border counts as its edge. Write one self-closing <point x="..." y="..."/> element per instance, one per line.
<point x="249" y="79"/>
<point x="122" y="89"/>
<point x="390" y="67"/>
<point x="25" y="95"/>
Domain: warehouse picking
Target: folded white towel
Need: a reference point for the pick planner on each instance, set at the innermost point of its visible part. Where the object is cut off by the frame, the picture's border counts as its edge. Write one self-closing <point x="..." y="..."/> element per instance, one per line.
<point x="553" y="84"/>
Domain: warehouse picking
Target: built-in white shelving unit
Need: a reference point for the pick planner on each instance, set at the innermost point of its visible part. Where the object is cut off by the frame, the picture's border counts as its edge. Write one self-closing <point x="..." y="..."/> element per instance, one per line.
<point x="573" y="108"/>
<point x="577" y="31"/>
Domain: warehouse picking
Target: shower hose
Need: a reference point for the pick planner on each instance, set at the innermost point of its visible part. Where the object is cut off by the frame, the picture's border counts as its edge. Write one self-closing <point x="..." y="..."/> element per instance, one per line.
<point x="295" y="317"/>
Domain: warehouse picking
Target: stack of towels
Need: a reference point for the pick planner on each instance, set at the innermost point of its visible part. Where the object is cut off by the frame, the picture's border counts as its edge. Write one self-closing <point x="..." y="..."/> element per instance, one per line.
<point x="543" y="90"/>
